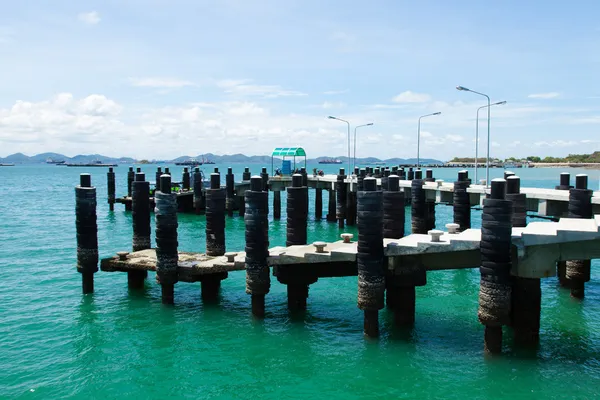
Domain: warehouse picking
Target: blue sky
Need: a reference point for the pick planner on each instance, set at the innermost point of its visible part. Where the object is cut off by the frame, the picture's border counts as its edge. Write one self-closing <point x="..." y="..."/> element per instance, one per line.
<point x="158" y="79"/>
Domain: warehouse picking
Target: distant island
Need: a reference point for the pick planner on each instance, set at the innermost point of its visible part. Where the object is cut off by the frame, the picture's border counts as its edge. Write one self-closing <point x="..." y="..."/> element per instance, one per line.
<point x="593" y="158"/>
<point x="56" y="158"/>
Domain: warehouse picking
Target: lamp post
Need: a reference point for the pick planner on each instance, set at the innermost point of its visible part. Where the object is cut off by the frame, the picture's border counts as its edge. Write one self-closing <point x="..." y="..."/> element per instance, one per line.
<point x="343" y="120"/>
<point x="419" y="137"/>
<point x="487" y="164"/>
<point x="355" y="128"/>
<point x="477" y="132"/>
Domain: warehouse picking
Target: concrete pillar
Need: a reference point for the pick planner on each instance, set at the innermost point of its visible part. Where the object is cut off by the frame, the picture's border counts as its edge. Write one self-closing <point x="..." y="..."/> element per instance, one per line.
<point x="411" y="174"/>
<point x="87" y="232"/>
<point x="370" y="259"/>
<point x="331" y="206"/>
<point x="461" y="203"/>
<point x="265" y="179"/>
<point x="580" y="206"/>
<point x="130" y="179"/>
<point x="351" y="207"/>
<point x="277" y="204"/>
<point x="340" y="188"/>
<point x="246" y="174"/>
<point x="198" y="194"/>
<point x="418" y="206"/>
<point x="318" y="203"/>
<point x="185" y="179"/>
<point x="258" y="281"/>
<point x="157" y="179"/>
<point x="167" y="257"/>
<point x="495" y="286"/>
<point x="561" y="266"/>
<point x="229" y="192"/>
<point x="140" y="216"/>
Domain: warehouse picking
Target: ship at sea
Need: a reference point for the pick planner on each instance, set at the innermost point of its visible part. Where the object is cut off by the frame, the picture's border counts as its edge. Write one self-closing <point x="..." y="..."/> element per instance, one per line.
<point x="95" y="163"/>
<point x="330" y="161"/>
<point x="50" y="160"/>
<point x="192" y="162"/>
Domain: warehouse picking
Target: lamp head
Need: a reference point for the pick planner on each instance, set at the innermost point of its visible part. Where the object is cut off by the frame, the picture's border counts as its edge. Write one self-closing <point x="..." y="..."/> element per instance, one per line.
<point x="501" y="103"/>
<point x="369" y="124"/>
<point x="330" y="117"/>
<point x="437" y="113"/>
<point x="462" y="88"/>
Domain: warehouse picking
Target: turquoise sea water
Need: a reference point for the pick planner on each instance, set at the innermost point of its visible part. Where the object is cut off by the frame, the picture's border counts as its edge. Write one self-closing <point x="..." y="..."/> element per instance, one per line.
<point x="57" y="343"/>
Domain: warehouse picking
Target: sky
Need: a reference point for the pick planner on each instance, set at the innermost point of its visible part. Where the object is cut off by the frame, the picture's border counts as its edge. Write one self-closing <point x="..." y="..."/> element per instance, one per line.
<point x="158" y="79"/>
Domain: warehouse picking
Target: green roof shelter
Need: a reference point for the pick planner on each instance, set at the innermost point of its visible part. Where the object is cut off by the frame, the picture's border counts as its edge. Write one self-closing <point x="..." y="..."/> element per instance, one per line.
<point x="287" y="152"/>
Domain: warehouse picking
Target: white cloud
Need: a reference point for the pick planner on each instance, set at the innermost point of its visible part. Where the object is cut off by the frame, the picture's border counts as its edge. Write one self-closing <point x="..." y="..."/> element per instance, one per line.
<point x="165" y="83"/>
<point x="549" y="95"/>
<point x="411" y="97"/>
<point x="455" y="138"/>
<point x="426" y="134"/>
<point x="90" y="18"/>
<point x="398" y="137"/>
<point x="556" y="143"/>
<point x="245" y="87"/>
<point x="329" y="105"/>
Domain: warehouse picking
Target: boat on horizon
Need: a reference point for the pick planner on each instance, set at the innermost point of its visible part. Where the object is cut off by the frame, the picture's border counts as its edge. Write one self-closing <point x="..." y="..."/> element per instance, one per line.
<point x="7" y="165"/>
<point x="192" y="162"/>
<point x="51" y="160"/>
<point x="95" y="163"/>
<point x="330" y="161"/>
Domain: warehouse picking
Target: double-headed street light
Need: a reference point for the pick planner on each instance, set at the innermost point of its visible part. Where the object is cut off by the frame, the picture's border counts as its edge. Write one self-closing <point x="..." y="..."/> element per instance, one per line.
<point x="477" y="133"/>
<point x="419" y="137"/>
<point x="343" y="120"/>
<point x="355" y="128"/>
<point x="487" y="164"/>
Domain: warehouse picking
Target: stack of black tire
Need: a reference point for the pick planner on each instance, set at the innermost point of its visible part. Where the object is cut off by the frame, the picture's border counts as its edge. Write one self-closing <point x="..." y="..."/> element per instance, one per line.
<point x="140" y="213"/>
<point x="393" y="209"/>
<point x="580" y="206"/>
<point x="340" y="188"/>
<point x="297" y="212"/>
<point x="229" y="191"/>
<point x="165" y="214"/>
<point x="130" y="179"/>
<point x="185" y="179"/>
<point x="495" y="286"/>
<point x="265" y="179"/>
<point x="461" y="202"/>
<point x="518" y="199"/>
<point x="257" y="238"/>
<point x="565" y="182"/>
<point x="371" y="283"/>
<point x="87" y="230"/>
<point x="215" y="217"/>
<point x="198" y="196"/>
<point x="360" y="178"/>
<point x="418" y="205"/>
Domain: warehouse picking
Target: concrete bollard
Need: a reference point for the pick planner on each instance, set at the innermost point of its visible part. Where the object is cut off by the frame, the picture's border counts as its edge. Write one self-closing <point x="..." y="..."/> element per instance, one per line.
<point x="331" y="205"/>
<point x="215" y="217"/>
<point x="140" y="215"/>
<point x="229" y="191"/>
<point x="580" y="206"/>
<point x="411" y="174"/>
<point x="111" y="188"/>
<point x="318" y="204"/>
<point x="429" y="176"/>
<point x="461" y="202"/>
<point x="369" y="259"/>
<point x="167" y="172"/>
<point x="185" y="179"/>
<point x="561" y="266"/>
<point x="495" y="284"/>
<point x="430" y="203"/>
<point x="418" y="206"/>
<point x="246" y="174"/>
<point x="362" y="174"/>
<point x="167" y="257"/>
<point x="265" y="179"/>
<point x="518" y="199"/>
<point x="384" y="179"/>
<point x="402" y="174"/>
<point x="130" y="179"/>
<point x="257" y="245"/>
<point x="157" y="179"/>
<point x="198" y="195"/>
<point x="340" y="188"/>
<point x="87" y="232"/>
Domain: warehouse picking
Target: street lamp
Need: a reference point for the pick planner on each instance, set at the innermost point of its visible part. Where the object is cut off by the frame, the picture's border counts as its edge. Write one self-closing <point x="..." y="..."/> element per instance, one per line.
<point x="343" y="120"/>
<point x="477" y="133"/>
<point x="487" y="164"/>
<point x="419" y="137"/>
<point x="355" y="128"/>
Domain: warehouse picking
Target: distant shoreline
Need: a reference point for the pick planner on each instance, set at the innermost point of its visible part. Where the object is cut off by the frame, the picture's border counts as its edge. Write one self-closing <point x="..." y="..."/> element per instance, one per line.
<point x="566" y="165"/>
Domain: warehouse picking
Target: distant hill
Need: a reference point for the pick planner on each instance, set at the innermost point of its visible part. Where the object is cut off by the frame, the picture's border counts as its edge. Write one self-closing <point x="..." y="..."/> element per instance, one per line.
<point x="372" y="160"/>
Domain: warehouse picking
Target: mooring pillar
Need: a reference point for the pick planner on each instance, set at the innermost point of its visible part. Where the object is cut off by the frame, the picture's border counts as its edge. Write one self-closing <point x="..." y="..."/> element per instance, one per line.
<point x="258" y="281"/>
<point x="350" y="207"/>
<point x="369" y="259"/>
<point x="157" y="179"/>
<point x="411" y="174"/>
<point x="418" y="206"/>
<point x="215" y="217"/>
<point x="130" y="179"/>
<point x="580" y="206"/>
<point x="461" y="203"/>
<point x="140" y="216"/>
<point x="246" y="174"/>
<point x="561" y="266"/>
<point x="331" y="206"/>
<point x="393" y="227"/>
<point x="229" y="192"/>
<point x="265" y="179"/>
<point x="87" y="232"/>
<point x="340" y="188"/>
<point x="495" y="285"/>
<point x="111" y="188"/>
<point x="318" y="204"/>
<point x="185" y="179"/>
<point x="241" y="205"/>
<point x="277" y="203"/>
<point x="167" y="257"/>
<point x="198" y="195"/>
